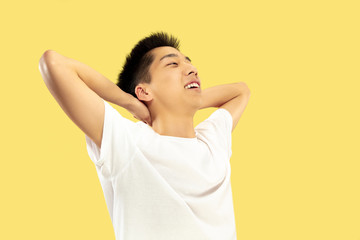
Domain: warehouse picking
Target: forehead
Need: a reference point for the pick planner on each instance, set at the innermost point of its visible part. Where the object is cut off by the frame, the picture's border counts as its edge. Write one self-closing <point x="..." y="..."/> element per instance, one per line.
<point x="159" y="52"/>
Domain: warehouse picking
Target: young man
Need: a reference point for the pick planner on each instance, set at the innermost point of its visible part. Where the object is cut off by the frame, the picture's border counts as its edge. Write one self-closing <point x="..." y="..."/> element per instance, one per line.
<point x="161" y="177"/>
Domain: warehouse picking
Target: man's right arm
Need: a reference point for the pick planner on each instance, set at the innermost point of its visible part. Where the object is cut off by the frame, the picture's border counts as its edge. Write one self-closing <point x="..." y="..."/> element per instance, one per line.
<point x="233" y="97"/>
<point x="79" y="91"/>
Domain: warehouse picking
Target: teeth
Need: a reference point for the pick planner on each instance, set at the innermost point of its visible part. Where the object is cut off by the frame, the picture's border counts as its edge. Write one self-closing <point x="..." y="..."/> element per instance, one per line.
<point x="192" y="85"/>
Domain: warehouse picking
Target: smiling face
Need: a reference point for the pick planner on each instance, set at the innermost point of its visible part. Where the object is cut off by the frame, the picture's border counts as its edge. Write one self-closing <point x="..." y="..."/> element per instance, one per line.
<point x="170" y="72"/>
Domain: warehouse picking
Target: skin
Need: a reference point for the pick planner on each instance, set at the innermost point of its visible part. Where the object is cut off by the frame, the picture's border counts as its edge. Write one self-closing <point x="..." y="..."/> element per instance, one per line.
<point x="81" y="90"/>
<point x="171" y="106"/>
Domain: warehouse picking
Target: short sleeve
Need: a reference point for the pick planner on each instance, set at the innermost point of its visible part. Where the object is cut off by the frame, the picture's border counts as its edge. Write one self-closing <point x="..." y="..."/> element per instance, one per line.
<point x="99" y="155"/>
<point x="217" y="129"/>
<point x="116" y="141"/>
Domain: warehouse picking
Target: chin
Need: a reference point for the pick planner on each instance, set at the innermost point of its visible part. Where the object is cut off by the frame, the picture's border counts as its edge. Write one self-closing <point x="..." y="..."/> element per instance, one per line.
<point x="194" y="102"/>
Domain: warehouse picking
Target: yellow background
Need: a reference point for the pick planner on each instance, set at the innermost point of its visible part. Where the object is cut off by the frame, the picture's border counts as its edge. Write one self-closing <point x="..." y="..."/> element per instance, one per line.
<point x="295" y="163"/>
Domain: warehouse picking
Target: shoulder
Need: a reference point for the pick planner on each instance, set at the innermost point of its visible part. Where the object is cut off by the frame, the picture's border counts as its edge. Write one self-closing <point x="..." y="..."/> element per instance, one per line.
<point x="221" y="117"/>
<point x="119" y="128"/>
<point x="216" y="131"/>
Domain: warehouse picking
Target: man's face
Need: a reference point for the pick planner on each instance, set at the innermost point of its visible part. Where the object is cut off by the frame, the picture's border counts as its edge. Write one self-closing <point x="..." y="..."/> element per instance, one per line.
<point x="170" y="72"/>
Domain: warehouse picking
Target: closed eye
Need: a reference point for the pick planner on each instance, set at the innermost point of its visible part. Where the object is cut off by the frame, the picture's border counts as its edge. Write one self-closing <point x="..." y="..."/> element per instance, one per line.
<point x="172" y="63"/>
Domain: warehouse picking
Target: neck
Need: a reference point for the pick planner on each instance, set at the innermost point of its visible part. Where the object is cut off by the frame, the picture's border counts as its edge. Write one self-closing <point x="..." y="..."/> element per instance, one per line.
<point x="172" y="124"/>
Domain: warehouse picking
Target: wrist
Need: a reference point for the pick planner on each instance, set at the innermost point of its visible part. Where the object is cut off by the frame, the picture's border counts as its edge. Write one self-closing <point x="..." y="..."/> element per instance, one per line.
<point x="127" y="101"/>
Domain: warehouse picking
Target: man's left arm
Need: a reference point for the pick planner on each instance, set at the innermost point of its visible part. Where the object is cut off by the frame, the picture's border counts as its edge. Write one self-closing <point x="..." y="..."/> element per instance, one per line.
<point x="233" y="97"/>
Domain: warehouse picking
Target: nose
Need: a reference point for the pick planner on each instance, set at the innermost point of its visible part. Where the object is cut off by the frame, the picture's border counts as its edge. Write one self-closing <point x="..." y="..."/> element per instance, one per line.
<point x="191" y="69"/>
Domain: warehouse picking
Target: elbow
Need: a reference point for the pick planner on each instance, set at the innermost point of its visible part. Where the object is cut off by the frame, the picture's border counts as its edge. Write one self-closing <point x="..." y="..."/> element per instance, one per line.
<point x="244" y="89"/>
<point x="47" y="57"/>
<point x="53" y="58"/>
<point x="45" y="63"/>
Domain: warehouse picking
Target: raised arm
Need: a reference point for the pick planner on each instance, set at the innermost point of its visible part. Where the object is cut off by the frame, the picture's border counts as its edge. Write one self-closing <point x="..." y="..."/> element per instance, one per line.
<point x="79" y="91"/>
<point x="233" y="97"/>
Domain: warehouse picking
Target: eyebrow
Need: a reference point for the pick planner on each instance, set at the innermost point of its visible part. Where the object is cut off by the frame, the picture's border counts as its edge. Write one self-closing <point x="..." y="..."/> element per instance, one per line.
<point x="174" y="55"/>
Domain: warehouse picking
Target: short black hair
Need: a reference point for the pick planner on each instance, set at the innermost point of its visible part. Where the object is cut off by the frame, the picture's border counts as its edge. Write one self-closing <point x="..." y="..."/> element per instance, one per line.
<point x="136" y="67"/>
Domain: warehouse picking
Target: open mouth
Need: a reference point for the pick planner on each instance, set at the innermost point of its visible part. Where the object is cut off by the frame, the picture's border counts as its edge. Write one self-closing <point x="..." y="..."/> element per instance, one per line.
<point x="192" y="86"/>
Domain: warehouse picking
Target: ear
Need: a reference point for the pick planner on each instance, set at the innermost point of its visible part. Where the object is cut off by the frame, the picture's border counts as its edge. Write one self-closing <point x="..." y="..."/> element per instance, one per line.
<point x="143" y="92"/>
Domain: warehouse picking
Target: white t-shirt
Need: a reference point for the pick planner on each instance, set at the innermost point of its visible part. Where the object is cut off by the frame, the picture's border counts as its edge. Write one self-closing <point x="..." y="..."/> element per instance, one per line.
<point x="165" y="187"/>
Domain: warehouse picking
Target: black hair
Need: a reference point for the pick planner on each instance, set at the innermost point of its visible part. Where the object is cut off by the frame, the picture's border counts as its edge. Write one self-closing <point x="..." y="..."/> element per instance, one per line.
<point x="136" y="67"/>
